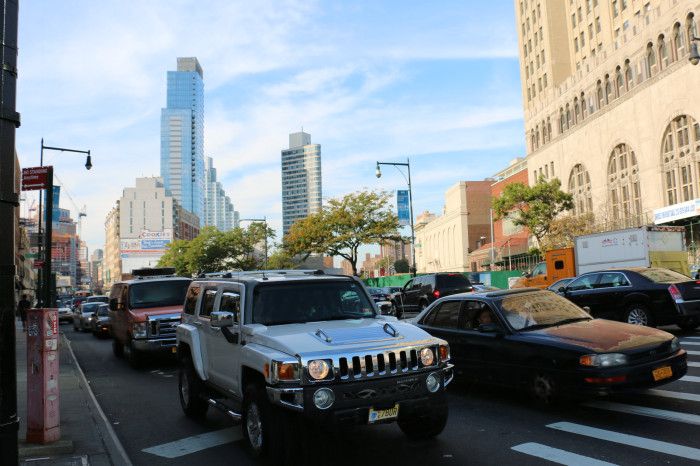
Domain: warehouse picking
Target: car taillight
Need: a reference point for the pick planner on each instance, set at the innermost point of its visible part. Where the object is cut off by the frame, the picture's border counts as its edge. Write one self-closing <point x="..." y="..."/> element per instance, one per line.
<point x="436" y="293"/>
<point x="675" y="294"/>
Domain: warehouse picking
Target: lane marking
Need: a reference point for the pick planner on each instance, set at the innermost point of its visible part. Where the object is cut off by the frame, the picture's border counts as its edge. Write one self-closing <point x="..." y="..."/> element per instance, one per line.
<point x="669" y="394"/>
<point x="690" y="378"/>
<point x="196" y="443"/>
<point x="690" y="343"/>
<point x="693" y="353"/>
<point x="630" y="440"/>
<point x="556" y="455"/>
<point x="694" y="364"/>
<point x="644" y="411"/>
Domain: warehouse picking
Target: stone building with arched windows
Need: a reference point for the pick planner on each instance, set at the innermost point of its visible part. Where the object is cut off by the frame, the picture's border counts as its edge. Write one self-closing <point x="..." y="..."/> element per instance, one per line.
<point x="625" y="103"/>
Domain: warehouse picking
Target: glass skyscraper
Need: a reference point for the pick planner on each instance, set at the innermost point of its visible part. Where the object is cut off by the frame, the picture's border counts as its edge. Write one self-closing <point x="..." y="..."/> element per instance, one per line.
<point x="182" y="136"/>
<point x="301" y="179"/>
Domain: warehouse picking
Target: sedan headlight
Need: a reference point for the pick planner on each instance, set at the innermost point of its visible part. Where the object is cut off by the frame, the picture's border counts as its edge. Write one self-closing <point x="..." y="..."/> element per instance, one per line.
<point x="675" y="345"/>
<point x="603" y="360"/>
<point x="319" y="369"/>
<point x="139" y="329"/>
<point x="427" y="358"/>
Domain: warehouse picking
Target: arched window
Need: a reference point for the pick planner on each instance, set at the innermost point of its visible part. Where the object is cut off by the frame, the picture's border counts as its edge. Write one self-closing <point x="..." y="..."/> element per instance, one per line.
<point x="583" y="106"/>
<point x="600" y="95"/>
<point x="629" y="75"/>
<point x="690" y="27"/>
<point x="532" y="140"/>
<point x="619" y="82"/>
<point x="580" y="189"/>
<point x="663" y="53"/>
<point x="651" y="60"/>
<point x="562" y="120"/>
<point x="549" y="130"/>
<point x="609" y="92"/>
<point x="577" y="110"/>
<point x="678" y="42"/>
<point x="537" y="136"/>
<point x="680" y="158"/>
<point x="623" y="186"/>
<point x="568" y="117"/>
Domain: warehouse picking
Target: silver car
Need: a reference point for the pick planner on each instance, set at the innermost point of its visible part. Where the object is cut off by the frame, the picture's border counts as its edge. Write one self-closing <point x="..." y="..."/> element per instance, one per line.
<point x="81" y="317"/>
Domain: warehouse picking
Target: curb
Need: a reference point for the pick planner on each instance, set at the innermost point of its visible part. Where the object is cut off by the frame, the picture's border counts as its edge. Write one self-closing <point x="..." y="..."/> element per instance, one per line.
<point x="59" y="447"/>
<point x="114" y="447"/>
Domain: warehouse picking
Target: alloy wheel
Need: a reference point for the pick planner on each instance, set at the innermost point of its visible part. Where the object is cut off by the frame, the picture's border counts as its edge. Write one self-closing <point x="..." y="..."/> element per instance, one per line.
<point x="254" y="427"/>
<point x="543" y="388"/>
<point x="184" y="386"/>
<point x="637" y="316"/>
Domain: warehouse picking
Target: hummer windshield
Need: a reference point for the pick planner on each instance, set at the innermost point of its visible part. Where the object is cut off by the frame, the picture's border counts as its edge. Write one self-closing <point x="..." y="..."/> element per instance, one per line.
<point x="295" y="303"/>
<point x="158" y="293"/>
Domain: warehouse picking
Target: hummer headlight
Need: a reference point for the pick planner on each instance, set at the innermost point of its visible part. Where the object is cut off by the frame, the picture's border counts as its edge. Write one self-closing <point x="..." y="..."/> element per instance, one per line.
<point x="319" y="369"/>
<point x="427" y="357"/>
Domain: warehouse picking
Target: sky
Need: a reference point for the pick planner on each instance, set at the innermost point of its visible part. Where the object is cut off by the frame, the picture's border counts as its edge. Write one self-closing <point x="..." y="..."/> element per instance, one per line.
<point x="437" y="83"/>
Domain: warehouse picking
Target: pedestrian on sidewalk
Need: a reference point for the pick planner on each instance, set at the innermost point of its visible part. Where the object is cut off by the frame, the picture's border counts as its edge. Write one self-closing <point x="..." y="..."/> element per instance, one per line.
<point x="22" y="308"/>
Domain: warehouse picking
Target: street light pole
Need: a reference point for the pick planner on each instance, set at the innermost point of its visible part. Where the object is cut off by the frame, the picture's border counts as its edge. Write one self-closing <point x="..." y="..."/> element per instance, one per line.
<point x="410" y="203"/>
<point x="264" y="222"/>
<point x="45" y="278"/>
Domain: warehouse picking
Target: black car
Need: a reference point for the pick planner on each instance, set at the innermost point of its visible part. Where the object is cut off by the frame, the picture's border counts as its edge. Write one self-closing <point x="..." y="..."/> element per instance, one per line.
<point x="381" y="298"/>
<point x="422" y="290"/>
<point x="537" y="340"/>
<point x="643" y="296"/>
<point x="561" y="283"/>
<point x="99" y="321"/>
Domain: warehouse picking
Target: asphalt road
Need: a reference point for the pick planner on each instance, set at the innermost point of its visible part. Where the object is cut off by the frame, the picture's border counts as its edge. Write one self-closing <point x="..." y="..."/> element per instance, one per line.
<point x="486" y="425"/>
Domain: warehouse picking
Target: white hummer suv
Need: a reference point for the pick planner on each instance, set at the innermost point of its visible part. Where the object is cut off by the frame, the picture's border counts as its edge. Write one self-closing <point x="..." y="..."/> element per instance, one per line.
<point x="276" y="348"/>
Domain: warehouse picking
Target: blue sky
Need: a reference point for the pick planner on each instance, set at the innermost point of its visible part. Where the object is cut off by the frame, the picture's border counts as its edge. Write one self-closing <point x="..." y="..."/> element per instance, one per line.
<point x="434" y="81"/>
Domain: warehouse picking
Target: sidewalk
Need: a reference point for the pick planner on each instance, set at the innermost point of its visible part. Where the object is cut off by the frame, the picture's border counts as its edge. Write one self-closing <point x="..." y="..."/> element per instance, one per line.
<point x="87" y="438"/>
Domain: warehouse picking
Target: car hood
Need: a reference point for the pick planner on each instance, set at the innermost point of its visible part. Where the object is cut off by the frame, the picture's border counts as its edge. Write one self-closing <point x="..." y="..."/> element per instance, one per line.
<point x="353" y="335"/>
<point x="604" y="336"/>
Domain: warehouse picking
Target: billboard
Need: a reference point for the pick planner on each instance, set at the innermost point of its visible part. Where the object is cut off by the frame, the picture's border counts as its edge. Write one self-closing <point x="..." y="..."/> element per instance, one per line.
<point x="148" y="243"/>
<point x="402" y="207"/>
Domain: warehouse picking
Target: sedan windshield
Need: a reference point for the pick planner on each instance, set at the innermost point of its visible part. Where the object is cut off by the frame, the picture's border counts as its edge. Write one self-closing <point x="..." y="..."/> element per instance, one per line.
<point x="292" y="303"/>
<point x="529" y="311"/>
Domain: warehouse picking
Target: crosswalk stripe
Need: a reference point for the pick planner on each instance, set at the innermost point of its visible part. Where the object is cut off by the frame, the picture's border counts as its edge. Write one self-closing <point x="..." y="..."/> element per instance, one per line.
<point x="690" y="343"/>
<point x="690" y="338"/>
<point x="195" y="443"/>
<point x="690" y="378"/>
<point x="676" y="395"/>
<point x="694" y="364"/>
<point x="556" y="455"/>
<point x="645" y="411"/>
<point x="626" y="439"/>
<point x="693" y="353"/>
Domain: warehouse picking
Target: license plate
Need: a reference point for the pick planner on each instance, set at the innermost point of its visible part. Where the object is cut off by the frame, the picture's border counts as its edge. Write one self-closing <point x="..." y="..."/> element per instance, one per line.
<point x="662" y="373"/>
<point x="174" y="349"/>
<point x="379" y="415"/>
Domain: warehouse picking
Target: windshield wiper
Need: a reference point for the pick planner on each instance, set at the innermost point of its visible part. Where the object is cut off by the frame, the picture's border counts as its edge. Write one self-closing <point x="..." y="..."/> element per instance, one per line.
<point x="343" y="317"/>
<point x="535" y="327"/>
<point x="571" y="320"/>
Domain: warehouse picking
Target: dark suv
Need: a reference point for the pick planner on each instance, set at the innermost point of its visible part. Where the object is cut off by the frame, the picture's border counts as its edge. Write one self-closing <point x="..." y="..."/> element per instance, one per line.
<point x="424" y="289"/>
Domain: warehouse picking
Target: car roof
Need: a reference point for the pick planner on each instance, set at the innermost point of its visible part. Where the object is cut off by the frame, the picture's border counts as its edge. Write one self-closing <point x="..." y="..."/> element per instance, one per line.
<point x="270" y="276"/>
<point x="493" y="294"/>
<point x="150" y="280"/>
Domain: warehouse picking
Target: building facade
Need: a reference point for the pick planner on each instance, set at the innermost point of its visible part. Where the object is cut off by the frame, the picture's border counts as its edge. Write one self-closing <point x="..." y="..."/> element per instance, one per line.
<point x="218" y="208"/>
<point x="182" y="136"/>
<point x="112" y="262"/>
<point x="301" y="179"/>
<point x="612" y="103"/>
<point x="443" y="242"/>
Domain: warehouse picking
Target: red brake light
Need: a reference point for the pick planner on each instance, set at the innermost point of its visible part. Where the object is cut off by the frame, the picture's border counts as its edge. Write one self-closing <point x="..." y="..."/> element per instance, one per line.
<point x="675" y="294"/>
<point x="436" y="293"/>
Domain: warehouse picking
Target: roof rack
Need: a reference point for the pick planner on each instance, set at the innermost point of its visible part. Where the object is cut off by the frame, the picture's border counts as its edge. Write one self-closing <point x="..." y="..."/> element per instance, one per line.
<point x="263" y="273"/>
<point x="155" y="272"/>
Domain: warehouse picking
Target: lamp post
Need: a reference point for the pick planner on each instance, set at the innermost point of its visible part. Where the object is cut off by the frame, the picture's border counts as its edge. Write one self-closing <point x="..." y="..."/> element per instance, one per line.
<point x="410" y="202"/>
<point x="694" y="57"/>
<point x="45" y="277"/>
<point x="264" y="222"/>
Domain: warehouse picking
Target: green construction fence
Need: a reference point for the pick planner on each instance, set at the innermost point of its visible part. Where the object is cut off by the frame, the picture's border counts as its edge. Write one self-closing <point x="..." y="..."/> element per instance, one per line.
<point x="499" y="279"/>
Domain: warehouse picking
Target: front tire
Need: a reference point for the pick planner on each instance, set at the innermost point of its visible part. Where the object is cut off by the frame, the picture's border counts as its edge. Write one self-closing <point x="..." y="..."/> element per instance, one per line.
<point x="689" y="325"/>
<point x="191" y="389"/>
<point x="421" y="428"/>
<point x="132" y="355"/>
<point x="638" y="314"/>
<point x="544" y="388"/>
<point x="263" y="425"/>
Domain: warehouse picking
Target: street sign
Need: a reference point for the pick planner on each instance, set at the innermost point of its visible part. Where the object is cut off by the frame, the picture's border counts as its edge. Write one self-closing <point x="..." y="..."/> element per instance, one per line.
<point x="403" y="207"/>
<point x="38" y="263"/>
<point x="34" y="178"/>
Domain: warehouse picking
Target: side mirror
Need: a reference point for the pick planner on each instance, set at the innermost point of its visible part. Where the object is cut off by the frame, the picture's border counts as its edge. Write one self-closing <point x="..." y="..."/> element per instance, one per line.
<point x="562" y="289"/>
<point x="587" y="309"/>
<point x="490" y="328"/>
<point x="220" y="319"/>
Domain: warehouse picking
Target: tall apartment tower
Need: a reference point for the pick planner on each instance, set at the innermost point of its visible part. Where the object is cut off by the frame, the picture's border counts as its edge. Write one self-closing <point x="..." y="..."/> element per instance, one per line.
<point x="218" y="208"/>
<point x="612" y="104"/>
<point x="182" y="136"/>
<point x="301" y="179"/>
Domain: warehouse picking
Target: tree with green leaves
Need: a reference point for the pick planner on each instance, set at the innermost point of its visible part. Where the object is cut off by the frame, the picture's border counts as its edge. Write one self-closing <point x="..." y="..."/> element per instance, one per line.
<point x="343" y="225"/>
<point x="564" y="230"/>
<point x="402" y="266"/>
<point x="534" y="207"/>
<point x="214" y="250"/>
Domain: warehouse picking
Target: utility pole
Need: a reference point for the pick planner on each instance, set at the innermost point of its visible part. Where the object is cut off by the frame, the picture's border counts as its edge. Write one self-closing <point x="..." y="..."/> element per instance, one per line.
<point x="9" y="202"/>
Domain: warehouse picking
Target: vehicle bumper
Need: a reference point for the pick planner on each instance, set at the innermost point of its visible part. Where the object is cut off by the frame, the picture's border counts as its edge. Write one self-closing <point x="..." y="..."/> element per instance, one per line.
<point x="65" y="318"/>
<point x="635" y="377"/>
<point x="384" y="306"/>
<point x="353" y="400"/>
<point x="688" y="311"/>
<point x="155" y="345"/>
